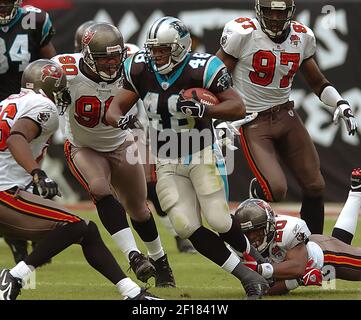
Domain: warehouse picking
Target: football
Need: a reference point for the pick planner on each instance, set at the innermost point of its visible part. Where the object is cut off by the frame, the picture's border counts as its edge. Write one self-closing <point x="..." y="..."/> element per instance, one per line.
<point x="203" y="95"/>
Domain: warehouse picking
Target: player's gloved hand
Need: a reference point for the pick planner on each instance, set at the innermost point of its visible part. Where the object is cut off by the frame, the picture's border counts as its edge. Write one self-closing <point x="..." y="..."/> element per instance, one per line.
<point x="312" y="276"/>
<point x="344" y="112"/>
<point x="129" y="121"/>
<point x="249" y="261"/>
<point x="264" y="269"/>
<point x="190" y="107"/>
<point x="47" y="188"/>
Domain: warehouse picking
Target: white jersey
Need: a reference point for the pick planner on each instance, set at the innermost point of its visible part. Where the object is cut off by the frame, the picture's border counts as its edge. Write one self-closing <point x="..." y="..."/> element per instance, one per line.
<point x="85" y="124"/>
<point x="291" y="231"/>
<point x="40" y="109"/>
<point x="265" y="70"/>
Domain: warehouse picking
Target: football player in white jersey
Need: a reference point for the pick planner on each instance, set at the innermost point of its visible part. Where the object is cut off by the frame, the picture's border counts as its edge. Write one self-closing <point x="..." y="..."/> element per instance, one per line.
<point x="263" y="55"/>
<point x="99" y="155"/>
<point x="27" y="121"/>
<point x="297" y="257"/>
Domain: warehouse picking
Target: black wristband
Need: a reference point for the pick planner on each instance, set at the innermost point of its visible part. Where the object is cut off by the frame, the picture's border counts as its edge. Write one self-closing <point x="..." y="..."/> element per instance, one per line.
<point x="342" y="102"/>
<point x="12" y="133"/>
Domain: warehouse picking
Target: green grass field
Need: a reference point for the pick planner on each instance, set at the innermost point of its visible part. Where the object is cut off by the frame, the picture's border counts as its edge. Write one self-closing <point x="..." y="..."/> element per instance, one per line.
<point x="69" y="276"/>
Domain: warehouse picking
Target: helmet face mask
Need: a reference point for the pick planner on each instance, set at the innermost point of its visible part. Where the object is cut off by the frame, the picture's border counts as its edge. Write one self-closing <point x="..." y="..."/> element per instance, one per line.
<point x="8" y="10"/>
<point x="275" y="16"/>
<point x="62" y="99"/>
<point x="257" y="221"/>
<point x="104" y="51"/>
<point x="168" y="43"/>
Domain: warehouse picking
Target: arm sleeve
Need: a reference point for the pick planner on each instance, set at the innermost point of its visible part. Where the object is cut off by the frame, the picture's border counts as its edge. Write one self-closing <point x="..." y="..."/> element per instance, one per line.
<point x="45" y="28"/>
<point x="46" y="117"/>
<point x="216" y="76"/>
<point x="310" y="48"/>
<point x="231" y="40"/>
<point x="300" y="233"/>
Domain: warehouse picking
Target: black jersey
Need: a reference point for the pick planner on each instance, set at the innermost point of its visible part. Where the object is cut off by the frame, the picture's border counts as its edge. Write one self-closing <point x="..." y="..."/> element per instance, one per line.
<point x="20" y="42"/>
<point x="168" y="127"/>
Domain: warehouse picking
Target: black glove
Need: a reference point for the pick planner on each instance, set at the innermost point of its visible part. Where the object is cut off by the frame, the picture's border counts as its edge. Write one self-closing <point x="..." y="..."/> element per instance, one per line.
<point x="47" y="188"/>
<point x="190" y="107"/>
<point x="129" y="121"/>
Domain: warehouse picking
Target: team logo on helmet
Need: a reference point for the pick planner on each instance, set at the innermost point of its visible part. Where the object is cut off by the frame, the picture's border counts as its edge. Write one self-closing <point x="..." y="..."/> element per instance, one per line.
<point x="51" y="71"/>
<point x="87" y="37"/>
<point x="180" y="27"/>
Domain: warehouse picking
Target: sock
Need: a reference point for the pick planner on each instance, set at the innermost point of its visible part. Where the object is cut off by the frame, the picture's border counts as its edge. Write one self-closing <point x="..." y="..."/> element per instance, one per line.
<point x="112" y="214"/>
<point x="21" y="270"/>
<point x="155" y="249"/>
<point x="168" y="225"/>
<point x="147" y="230"/>
<point x="346" y="223"/>
<point x="125" y="241"/>
<point x="231" y="263"/>
<point x="99" y="256"/>
<point x="210" y="245"/>
<point x="128" y="288"/>
<point x="235" y="237"/>
<point x="313" y="213"/>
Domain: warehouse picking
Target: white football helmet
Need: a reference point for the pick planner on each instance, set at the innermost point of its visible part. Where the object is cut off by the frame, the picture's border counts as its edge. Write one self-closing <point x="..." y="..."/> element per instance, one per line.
<point x="168" y="32"/>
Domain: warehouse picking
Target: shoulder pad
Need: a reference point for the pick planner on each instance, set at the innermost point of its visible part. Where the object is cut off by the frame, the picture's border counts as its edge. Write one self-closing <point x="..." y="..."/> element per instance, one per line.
<point x="242" y="26"/>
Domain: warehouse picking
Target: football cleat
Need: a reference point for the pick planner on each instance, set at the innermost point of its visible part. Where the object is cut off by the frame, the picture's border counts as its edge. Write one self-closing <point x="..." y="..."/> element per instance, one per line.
<point x="184" y="245"/>
<point x="164" y="275"/>
<point x="9" y="286"/>
<point x="141" y="266"/>
<point x="356" y="180"/>
<point x="256" y="289"/>
<point x="144" y="295"/>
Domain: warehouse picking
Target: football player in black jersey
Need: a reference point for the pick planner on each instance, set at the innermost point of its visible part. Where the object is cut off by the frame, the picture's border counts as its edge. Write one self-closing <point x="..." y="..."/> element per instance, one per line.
<point x="181" y="135"/>
<point x="25" y="36"/>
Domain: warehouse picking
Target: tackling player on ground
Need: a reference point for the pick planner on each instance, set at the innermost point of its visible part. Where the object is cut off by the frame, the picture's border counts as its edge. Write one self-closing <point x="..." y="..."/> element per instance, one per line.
<point x="297" y="257"/>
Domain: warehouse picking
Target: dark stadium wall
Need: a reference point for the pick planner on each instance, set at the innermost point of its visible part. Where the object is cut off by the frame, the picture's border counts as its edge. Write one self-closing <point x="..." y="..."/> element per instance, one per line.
<point x="335" y="24"/>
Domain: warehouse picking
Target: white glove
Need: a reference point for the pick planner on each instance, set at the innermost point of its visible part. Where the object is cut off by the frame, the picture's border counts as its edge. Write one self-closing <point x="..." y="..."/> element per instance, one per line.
<point x="344" y="112"/>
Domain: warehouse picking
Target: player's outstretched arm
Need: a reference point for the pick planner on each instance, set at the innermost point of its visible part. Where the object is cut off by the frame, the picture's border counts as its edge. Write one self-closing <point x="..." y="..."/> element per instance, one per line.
<point x="121" y="104"/>
<point x="22" y="133"/>
<point x="328" y="95"/>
